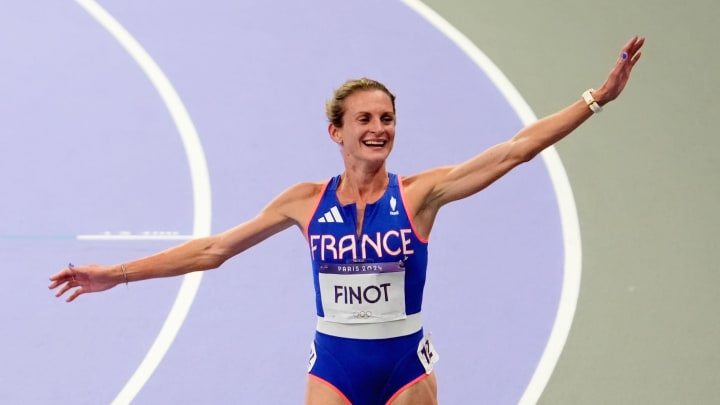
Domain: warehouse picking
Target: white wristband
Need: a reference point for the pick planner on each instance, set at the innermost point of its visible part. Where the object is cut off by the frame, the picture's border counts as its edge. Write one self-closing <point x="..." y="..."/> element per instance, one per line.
<point x="590" y="100"/>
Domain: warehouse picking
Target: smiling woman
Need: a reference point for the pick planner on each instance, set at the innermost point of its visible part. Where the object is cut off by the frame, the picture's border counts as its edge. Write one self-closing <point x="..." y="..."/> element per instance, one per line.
<point x="113" y="179"/>
<point x="367" y="125"/>
<point x="370" y="254"/>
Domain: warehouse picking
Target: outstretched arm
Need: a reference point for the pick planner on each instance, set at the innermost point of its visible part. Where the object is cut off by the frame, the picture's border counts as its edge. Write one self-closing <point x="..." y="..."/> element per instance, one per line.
<point x="198" y="254"/>
<point x="457" y="182"/>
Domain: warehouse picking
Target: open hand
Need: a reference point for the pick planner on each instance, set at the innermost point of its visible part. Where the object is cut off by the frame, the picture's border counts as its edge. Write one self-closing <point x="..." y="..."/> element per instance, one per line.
<point x="620" y="73"/>
<point x="83" y="279"/>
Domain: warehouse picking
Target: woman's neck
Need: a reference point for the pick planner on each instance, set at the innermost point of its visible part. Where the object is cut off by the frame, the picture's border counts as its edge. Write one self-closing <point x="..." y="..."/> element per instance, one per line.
<point x="362" y="187"/>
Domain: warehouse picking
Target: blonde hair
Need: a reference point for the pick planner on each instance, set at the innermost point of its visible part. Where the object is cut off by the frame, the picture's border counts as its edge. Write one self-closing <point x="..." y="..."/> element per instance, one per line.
<point x="335" y="107"/>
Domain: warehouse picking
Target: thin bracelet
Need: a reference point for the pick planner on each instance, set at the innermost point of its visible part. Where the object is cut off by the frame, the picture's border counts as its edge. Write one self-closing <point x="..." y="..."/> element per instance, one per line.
<point x="122" y="266"/>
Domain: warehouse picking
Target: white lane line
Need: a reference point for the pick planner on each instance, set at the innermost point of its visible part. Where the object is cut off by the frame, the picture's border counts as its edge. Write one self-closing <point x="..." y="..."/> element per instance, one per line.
<point x="566" y="202"/>
<point x="137" y="237"/>
<point x="102" y="236"/>
<point x="201" y="195"/>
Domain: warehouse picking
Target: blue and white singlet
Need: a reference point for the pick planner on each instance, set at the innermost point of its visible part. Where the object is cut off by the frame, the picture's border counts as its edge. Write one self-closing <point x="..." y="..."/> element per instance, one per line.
<point x="369" y="345"/>
<point x="375" y="277"/>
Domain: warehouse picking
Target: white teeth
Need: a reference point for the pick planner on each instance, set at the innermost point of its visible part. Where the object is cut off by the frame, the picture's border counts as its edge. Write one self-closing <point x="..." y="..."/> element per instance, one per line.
<point x="374" y="143"/>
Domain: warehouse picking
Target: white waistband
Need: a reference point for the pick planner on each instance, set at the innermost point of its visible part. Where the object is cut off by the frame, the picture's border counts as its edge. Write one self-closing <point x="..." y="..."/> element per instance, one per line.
<point x="380" y="330"/>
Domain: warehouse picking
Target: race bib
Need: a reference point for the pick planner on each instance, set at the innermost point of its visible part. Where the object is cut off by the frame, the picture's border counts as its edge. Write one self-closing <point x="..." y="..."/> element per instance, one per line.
<point x="363" y="292"/>
<point x="427" y="354"/>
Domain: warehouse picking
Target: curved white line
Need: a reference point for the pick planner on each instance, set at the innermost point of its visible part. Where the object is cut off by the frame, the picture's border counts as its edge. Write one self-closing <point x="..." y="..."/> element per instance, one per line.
<point x="566" y="202"/>
<point x="201" y="195"/>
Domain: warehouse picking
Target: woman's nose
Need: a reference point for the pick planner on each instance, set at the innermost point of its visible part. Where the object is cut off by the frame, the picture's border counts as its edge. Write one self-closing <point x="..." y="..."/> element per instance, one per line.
<point x="376" y="126"/>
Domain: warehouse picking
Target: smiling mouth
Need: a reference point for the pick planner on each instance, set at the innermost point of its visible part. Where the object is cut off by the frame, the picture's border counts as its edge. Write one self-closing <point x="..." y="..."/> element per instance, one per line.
<point x="375" y="143"/>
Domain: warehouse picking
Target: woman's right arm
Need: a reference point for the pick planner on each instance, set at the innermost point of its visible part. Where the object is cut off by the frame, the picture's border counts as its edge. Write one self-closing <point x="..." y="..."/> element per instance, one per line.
<point x="287" y="209"/>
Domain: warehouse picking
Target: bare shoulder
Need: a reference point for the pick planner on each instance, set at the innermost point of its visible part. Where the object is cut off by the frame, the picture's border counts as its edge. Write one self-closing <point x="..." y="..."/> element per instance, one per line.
<point x="419" y="188"/>
<point x="297" y="201"/>
<point x="301" y="191"/>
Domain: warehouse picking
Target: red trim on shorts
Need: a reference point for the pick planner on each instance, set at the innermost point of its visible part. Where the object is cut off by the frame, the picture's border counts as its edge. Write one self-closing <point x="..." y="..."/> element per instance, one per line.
<point x="332" y="387"/>
<point x="404" y="387"/>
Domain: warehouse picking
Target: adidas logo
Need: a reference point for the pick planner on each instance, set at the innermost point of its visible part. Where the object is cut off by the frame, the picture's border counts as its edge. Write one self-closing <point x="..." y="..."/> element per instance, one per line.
<point x="331" y="216"/>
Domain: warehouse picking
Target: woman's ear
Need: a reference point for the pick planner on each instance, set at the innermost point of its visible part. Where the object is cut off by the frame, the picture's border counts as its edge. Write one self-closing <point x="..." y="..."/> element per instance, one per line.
<point x="335" y="134"/>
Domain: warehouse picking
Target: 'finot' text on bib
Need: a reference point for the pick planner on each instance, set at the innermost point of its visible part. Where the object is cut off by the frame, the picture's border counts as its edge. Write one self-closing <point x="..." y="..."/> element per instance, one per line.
<point x="363" y="292"/>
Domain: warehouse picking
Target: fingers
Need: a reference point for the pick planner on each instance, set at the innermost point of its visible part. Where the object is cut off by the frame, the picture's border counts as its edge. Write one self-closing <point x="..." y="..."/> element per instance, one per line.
<point x="60" y="278"/>
<point x="67" y="286"/>
<point x="620" y="72"/>
<point x="66" y="280"/>
<point x="74" y="295"/>
<point x="61" y="274"/>
<point x="631" y="50"/>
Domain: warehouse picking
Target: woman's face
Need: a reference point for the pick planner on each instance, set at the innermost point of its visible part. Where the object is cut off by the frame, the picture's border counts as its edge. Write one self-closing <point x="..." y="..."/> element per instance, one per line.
<point x="368" y="130"/>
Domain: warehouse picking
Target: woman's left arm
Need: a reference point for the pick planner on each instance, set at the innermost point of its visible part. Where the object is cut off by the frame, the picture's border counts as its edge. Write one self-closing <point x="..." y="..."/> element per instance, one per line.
<point x="456" y="182"/>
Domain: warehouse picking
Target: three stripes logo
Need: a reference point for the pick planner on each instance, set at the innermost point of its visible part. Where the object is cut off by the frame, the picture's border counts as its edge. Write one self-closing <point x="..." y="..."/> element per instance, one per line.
<point x="332" y="216"/>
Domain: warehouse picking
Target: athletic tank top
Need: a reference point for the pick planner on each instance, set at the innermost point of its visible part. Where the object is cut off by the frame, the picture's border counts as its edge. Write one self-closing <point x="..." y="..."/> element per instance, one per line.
<point x="375" y="276"/>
